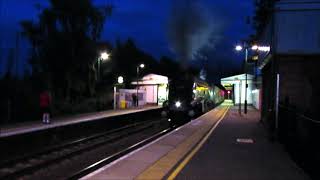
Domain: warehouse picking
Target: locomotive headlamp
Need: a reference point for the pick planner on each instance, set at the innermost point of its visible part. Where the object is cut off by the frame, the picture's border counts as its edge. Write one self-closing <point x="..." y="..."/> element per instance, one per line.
<point x="178" y="104"/>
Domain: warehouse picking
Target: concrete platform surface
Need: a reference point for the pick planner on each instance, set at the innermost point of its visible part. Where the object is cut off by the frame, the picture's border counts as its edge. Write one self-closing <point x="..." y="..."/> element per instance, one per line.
<point x="27" y="127"/>
<point x="157" y="159"/>
<point x="239" y="149"/>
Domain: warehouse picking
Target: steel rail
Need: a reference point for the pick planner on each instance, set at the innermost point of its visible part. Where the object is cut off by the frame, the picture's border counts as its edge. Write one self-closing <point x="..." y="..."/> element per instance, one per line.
<point x="117" y="155"/>
<point x="32" y="168"/>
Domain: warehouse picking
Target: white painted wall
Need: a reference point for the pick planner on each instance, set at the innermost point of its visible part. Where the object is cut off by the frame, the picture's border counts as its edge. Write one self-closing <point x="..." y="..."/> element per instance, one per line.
<point x="242" y="91"/>
<point x="151" y="93"/>
<point x="236" y="92"/>
<point x="256" y="98"/>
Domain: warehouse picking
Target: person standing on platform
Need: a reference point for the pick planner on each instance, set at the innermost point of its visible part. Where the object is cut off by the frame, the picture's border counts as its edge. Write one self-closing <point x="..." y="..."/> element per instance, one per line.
<point x="134" y="100"/>
<point x="45" y="102"/>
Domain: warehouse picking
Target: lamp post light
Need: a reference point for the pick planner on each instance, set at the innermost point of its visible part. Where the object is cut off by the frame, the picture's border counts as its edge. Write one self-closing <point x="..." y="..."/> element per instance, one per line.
<point x="103" y="57"/>
<point x="138" y="70"/>
<point x="239" y="48"/>
<point x="120" y="81"/>
<point x="254" y="48"/>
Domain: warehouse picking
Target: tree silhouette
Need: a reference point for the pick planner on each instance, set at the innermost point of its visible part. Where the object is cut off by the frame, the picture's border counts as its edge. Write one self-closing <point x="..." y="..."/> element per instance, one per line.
<point x="263" y="10"/>
<point x="127" y="56"/>
<point x="64" y="42"/>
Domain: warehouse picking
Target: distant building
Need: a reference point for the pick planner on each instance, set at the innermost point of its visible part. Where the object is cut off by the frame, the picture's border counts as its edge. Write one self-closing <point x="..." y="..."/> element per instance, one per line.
<point x="237" y="89"/>
<point x="155" y="87"/>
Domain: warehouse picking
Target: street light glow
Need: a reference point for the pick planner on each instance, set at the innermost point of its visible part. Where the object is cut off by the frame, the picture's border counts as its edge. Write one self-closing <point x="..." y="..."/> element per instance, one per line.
<point x="261" y="48"/>
<point x="254" y="47"/>
<point x="141" y="65"/>
<point x="238" y="48"/>
<point x="264" y="48"/>
<point x="178" y="104"/>
<point x="104" y="56"/>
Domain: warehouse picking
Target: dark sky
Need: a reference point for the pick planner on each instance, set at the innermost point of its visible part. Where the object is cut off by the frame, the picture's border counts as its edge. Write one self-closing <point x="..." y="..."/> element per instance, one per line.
<point x="146" y="21"/>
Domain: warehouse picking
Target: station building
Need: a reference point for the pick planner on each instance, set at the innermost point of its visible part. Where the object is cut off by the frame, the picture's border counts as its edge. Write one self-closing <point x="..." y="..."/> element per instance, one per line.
<point x="236" y="90"/>
<point x="152" y="90"/>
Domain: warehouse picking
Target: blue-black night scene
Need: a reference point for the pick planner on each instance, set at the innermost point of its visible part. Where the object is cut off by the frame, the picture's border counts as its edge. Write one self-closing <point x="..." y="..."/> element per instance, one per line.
<point x="148" y="24"/>
<point x="159" y="89"/>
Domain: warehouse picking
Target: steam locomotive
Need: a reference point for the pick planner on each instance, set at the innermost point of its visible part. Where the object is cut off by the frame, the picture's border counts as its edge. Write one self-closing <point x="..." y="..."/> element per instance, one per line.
<point x="190" y="97"/>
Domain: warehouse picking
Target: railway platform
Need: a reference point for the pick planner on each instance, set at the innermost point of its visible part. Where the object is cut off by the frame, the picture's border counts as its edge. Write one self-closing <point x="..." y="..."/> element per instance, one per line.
<point x="28" y="127"/>
<point x="220" y="144"/>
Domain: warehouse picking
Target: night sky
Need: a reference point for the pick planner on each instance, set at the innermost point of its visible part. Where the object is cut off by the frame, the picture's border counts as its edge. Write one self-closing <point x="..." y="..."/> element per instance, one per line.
<point x="147" y="22"/>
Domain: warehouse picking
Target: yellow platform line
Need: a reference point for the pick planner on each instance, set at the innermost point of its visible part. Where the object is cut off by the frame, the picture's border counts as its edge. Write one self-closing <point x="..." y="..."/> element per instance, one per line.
<point x="196" y="149"/>
<point x="160" y="168"/>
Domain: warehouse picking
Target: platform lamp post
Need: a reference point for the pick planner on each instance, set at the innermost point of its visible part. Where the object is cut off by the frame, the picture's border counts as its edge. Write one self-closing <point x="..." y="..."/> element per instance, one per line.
<point x="120" y="82"/>
<point x="240" y="48"/>
<point x="254" y="48"/>
<point x="138" y="70"/>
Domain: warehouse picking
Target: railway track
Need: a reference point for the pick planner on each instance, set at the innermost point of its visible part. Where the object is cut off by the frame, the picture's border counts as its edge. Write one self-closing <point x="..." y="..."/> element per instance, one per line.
<point x="28" y="164"/>
<point x="115" y="156"/>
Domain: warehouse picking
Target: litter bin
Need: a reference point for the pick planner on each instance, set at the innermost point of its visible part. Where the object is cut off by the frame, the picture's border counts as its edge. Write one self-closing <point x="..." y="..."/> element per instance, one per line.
<point x="122" y="104"/>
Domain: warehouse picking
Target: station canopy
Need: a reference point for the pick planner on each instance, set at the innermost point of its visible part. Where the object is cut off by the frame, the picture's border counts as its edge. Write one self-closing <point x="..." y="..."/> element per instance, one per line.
<point x="235" y="79"/>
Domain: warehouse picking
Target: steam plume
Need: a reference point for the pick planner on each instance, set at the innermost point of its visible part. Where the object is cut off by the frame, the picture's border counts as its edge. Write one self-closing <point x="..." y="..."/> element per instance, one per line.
<point x="192" y="29"/>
